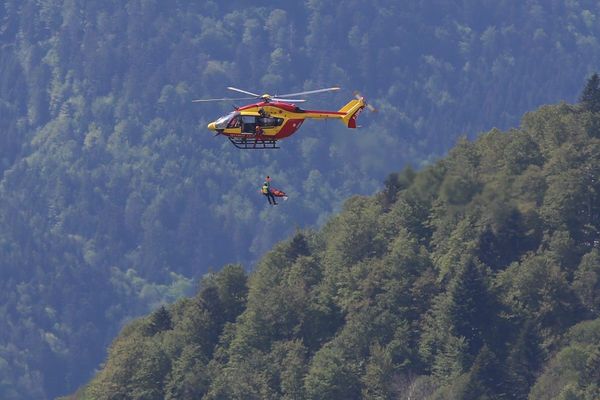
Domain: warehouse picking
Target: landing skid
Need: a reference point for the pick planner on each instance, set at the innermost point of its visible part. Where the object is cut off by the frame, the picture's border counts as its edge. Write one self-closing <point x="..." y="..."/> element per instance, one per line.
<point x="253" y="143"/>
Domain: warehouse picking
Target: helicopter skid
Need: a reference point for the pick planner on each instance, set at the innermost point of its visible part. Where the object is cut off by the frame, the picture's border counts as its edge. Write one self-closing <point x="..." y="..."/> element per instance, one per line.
<point x="253" y="143"/>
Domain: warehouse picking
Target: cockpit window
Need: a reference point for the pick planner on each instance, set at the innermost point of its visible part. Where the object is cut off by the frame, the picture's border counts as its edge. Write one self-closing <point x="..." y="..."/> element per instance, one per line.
<point x="225" y="120"/>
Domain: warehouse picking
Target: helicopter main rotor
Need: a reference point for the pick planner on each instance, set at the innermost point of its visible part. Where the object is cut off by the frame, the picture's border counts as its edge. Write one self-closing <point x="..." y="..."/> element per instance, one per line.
<point x="267" y="97"/>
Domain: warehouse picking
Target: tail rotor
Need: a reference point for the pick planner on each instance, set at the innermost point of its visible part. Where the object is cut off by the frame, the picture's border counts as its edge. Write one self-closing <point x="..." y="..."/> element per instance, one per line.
<point x="358" y="96"/>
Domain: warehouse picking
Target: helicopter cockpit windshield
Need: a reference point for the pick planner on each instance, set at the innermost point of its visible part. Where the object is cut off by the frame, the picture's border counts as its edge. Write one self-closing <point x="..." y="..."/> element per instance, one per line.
<point x="230" y="120"/>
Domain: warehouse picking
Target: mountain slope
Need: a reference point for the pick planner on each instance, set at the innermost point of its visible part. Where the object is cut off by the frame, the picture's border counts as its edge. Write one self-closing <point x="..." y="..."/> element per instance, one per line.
<point x="474" y="278"/>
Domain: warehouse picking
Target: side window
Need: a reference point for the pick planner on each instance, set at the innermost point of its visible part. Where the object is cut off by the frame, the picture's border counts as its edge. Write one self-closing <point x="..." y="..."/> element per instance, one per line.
<point x="270" y="122"/>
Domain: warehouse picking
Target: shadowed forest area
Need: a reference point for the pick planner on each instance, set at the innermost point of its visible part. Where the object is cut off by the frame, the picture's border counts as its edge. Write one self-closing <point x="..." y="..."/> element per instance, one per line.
<point x="115" y="199"/>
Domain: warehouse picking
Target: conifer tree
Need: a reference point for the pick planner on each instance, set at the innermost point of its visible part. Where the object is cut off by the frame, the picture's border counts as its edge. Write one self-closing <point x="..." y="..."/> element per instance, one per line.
<point x="472" y="307"/>
<point x="486" y="377"/>
<point x="590" y="97"/>
<point x="160" y="321"/>
<point x="524" y="361"/>
<point x="592" y="368"/>
<point x="188" y="378"/>
<point x="586" y="282"/>
<point x="298" y="246"/>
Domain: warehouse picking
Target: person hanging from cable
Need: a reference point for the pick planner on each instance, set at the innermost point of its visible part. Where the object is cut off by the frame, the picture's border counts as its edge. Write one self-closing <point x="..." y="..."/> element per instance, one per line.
<point x="266" y="190"/>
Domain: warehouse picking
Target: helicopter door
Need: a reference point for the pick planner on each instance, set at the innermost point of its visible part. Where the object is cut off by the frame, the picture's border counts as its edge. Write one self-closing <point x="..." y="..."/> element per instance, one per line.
<point x="248" y="124"/>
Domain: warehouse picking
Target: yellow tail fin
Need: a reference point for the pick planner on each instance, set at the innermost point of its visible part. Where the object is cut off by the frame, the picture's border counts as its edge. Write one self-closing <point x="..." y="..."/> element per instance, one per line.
<point x="348" y="106"/>
<point x="352" y="110"/>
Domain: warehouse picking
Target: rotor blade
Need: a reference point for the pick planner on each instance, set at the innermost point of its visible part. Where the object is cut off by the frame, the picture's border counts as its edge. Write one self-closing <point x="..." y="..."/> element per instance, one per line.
<point x="371" y="108"/>
<point x="331" y="89"/>
<point x="222" y="99"/>
<point x="243" y="91"/>
<point x="287" y="100"/>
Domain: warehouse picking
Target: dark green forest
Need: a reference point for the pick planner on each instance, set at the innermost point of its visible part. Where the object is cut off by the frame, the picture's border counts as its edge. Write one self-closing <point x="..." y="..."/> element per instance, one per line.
<point x="475" y="278"/>
<point x="115" y="199"/>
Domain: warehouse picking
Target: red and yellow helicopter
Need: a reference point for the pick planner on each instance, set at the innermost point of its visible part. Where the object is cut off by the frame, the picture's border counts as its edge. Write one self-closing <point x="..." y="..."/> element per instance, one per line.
<point x="261" y="125"/>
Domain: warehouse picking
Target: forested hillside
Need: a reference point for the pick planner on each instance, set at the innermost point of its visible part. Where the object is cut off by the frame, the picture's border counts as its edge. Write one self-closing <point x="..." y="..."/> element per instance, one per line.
<point x="476" y="278"/>
<point x="114" y="198"/>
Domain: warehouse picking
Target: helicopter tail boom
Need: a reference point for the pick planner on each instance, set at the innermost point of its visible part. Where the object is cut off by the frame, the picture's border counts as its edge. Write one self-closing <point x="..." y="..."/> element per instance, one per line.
<point x="347" y="114"/>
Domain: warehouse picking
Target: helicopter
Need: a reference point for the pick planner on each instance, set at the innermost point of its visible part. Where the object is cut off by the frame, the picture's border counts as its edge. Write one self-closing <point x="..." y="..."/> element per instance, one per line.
<point x="274" y="117"/>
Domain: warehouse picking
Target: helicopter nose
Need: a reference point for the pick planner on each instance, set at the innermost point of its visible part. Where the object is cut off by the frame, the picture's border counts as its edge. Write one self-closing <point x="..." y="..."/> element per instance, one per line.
<point x="212" y="126"/>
